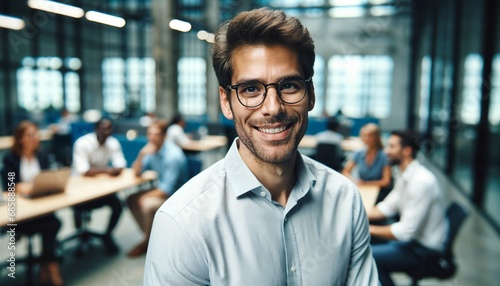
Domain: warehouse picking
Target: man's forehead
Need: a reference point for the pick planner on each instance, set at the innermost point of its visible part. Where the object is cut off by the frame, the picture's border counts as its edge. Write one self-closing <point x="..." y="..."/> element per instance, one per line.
<point x="105" y="124"/>
<point x="256" y="62"/>
<point x="394" y="139"/>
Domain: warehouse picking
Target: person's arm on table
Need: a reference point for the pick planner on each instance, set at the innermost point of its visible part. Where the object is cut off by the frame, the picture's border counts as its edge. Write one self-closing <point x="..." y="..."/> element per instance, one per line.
<point x="349" y="166"/>
<point x="383" y="182"/>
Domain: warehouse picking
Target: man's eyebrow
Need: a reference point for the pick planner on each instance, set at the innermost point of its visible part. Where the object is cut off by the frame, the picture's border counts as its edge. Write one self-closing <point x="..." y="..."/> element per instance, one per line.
<point x="244" y="80"/>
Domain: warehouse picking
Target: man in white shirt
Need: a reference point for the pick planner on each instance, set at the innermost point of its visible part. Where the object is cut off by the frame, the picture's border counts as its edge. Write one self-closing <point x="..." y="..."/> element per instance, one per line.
<point x="265" y="214"/>
<point x="92" y="155"/>
<point x="175" y="131"/>
<point x="417" y="198"/>
<point x="331" y="135"/>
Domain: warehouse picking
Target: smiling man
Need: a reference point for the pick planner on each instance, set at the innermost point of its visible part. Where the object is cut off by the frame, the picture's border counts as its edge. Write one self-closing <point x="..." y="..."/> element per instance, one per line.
<point x="265" y="214"/>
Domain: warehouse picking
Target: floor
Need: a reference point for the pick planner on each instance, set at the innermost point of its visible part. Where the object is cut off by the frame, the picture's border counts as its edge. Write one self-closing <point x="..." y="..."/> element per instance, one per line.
<point x="477" y="251"/>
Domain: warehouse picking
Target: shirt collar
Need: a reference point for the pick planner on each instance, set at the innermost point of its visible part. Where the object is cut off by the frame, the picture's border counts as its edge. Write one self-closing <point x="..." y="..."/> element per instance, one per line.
<point x="243" y="180"/>
<point x="410" y="170"/>
<point x="240" y="177"/>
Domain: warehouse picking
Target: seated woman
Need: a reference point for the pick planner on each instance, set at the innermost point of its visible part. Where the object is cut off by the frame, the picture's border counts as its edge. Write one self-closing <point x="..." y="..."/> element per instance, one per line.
<point x="25" y="162"/>
<point x="371" y="162"/>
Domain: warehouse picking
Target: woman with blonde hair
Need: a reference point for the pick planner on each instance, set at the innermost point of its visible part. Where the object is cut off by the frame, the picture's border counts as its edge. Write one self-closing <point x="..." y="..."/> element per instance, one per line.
<point x="371" y="162"/>
<point x="20" y="166"/>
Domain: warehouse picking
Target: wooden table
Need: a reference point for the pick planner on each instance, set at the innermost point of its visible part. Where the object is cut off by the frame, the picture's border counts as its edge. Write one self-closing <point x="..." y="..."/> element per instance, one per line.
<point x="79" y="189"/>
<point x="7" y="141"/>
<point x="369" y="196"/>
<point x="208" y="143"/>
<point x="348" y="144"/>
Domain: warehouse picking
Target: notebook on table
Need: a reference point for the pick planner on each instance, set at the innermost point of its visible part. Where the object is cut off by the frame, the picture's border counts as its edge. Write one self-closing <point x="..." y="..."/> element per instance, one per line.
<point x="48" y="182"/>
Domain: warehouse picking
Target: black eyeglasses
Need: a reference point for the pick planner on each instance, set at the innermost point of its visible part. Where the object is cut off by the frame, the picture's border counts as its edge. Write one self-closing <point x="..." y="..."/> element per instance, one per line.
<point x="253" y="93"/>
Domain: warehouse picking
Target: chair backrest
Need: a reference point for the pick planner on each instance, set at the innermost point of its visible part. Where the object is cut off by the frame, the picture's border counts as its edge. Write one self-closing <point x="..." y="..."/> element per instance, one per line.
<point x="330" y="155"/>
<point x="441" y="264"/>
<point x="194" y="166"/>
<point x="456" y="215"/>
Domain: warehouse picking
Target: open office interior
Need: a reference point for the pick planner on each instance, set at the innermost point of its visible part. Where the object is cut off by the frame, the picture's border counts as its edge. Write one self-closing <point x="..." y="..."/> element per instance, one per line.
<point x="432" y="66"/>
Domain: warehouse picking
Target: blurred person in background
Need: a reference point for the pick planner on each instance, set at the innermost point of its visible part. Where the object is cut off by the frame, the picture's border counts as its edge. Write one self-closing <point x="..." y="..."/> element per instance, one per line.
<point x="331" y="134"/>
<point x="22" y="164"/>
<point x="417" y="199"/>
<point x="371" y="162"/>
<point x="169" y="162"/>
<point x="92" y="155"/>
<point x="175" y="131"/>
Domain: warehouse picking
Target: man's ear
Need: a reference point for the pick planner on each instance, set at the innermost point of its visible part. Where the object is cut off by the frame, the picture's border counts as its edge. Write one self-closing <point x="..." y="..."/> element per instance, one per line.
<point x="312" y="97"/>
<point x="407" y="151"/>
<point x="225" y="105"/>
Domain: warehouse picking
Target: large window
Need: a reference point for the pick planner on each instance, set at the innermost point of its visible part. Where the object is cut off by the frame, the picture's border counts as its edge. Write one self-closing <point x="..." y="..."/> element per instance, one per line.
<point x="425" y="83"/>
<point x="40" y="84"/>
<point x="319" y="86"/>
<point x="494" y="114"/>
<point x="192" y="85"/>
<point x="470" y="107"/>
<point x="360" y="86"/>
<point x="492" y="195"/>
<point x="128" y="85"/>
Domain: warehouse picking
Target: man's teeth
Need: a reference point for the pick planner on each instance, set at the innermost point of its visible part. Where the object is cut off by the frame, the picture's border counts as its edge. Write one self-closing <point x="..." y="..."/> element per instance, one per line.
<point x="273" y="130"/>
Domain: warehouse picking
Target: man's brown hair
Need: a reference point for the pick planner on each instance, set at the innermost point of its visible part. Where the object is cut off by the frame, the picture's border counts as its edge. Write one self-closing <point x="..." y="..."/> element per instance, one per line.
<point x="261" y="27"/>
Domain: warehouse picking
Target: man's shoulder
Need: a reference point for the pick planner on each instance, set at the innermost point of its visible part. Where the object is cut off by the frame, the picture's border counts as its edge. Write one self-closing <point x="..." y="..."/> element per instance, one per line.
<point x="422" y="173"/>
<point x="171" y="149"/>
<point x="85" y="140"/>
<point x="334" y="180"/>
<point x="198" y="194"/>
<point x="84" y="137"/>
<point x="112" y="141"/>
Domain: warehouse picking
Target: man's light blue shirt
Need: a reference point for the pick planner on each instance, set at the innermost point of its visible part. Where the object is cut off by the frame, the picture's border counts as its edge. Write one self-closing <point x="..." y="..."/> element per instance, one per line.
<point x="223" y="228"/>
<point x="171" y="165"/>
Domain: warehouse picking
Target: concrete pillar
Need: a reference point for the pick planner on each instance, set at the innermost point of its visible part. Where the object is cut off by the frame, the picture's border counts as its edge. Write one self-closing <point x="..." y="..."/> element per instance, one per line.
<point x="165" y="52"/>
<point x="212" y="23"/>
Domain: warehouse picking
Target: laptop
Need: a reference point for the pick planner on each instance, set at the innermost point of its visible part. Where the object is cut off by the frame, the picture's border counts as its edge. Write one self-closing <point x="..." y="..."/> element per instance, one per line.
<point x="48" y="182"/>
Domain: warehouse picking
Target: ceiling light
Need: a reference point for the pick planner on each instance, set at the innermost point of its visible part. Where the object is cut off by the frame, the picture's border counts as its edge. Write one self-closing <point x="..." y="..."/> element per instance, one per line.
<point x="56" y="8"/>
<point x="105" y="19"/>
<point x="179" y="25"/>
<point x="12" y="23"/>
<point x="202" y="35"/>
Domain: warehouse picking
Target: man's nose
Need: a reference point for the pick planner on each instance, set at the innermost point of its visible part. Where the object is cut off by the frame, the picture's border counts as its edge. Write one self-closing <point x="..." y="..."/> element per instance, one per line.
<point x="272" y="103"/>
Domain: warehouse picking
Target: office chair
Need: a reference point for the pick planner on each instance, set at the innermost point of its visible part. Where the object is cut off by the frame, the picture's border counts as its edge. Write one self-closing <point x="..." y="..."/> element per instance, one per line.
<point x="83" y="234"/>
<point x="441" y="265"/>
<point x="330" y="155"/>
<point x="31" y="259"/>
<point x="62" y="149"/>
<point x="194" y="166"/>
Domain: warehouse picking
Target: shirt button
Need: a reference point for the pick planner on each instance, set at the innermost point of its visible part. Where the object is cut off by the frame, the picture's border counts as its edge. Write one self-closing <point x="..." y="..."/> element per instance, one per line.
<point x="262" y="194"/>
<point x="286" y="219"/>
<point x="293" y="269"/>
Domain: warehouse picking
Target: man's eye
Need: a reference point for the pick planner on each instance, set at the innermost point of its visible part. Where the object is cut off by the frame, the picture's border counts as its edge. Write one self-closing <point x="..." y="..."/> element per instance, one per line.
<point x="250" y="89"/>
<point x="290" y="86"/>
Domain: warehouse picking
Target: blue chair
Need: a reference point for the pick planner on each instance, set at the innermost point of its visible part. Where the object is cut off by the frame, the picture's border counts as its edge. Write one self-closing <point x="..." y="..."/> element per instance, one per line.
<point x="441" y="265"/>
<point x="194" y="166"/>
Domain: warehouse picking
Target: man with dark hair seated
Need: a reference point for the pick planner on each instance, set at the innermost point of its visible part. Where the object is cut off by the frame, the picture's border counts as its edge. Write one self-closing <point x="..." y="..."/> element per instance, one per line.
<point x="417" y="198"/>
